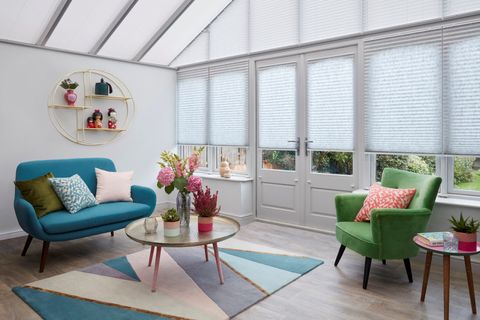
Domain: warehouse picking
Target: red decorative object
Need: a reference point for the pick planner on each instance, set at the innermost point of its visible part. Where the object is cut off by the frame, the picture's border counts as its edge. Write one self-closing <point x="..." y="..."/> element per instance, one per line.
<point x="70" y="97"/>
<point x="97" y="118"/>
<point x="205" y="224"/>
<point x="466" y="241"/>
<point x="112" y="119"/>
<point x="206" y="207"/>
<point x="90" y="123"/>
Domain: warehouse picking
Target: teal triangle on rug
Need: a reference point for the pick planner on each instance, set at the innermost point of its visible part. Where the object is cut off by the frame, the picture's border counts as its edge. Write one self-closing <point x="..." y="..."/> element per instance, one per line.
<point x="295" y="264"/>
<point x="121" y="264"/>
<point x="53" y="306"/>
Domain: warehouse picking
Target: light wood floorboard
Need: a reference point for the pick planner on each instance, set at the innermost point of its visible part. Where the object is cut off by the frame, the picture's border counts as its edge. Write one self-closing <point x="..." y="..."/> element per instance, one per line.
<point x="325" y="293"/>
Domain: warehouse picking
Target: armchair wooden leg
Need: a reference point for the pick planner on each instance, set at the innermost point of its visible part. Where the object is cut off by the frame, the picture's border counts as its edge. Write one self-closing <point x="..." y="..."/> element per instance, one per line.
<point x="339" y="254"/>
<point x="43" y="259"/>
<point x="27" y="245"/>
<point x="384" y="261"/>
<point x="366" y="272"/>
<point x="111" y="233"/>
<point x="409" y="269"/>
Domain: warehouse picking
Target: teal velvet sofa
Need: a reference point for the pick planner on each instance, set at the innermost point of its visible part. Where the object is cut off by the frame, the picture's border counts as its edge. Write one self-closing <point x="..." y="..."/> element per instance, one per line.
<point x="62" y="225"/>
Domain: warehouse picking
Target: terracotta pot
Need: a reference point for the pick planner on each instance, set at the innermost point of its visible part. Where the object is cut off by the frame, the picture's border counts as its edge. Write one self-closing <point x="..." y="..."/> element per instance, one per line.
<point x="70" y="97"/>
<point x="466" y="241"/>
<point x="205" y="224"/>
<point x="171" y="229"/>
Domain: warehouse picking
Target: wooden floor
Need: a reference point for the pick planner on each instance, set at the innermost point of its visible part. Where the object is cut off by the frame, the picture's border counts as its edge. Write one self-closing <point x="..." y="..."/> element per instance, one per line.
<point x="325" y="293"/>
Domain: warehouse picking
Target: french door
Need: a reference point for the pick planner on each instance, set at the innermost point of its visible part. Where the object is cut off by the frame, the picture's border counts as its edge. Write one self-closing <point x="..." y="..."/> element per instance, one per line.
<point x="305" y="118"/>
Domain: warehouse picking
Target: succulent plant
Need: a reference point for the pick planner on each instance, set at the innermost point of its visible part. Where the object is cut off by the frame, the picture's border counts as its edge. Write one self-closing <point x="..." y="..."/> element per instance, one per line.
<point x="468" y="225"/>
<point x="170" y="215"/>
<point x="68" y="84"/>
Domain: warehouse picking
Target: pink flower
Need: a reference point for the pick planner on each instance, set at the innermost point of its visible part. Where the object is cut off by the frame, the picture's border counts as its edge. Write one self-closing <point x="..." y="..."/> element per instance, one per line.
<point x="179" y="169"/>
<point x="194" y="184"/>
<point x="193" y="162"/>
<point x="166" y="176"/>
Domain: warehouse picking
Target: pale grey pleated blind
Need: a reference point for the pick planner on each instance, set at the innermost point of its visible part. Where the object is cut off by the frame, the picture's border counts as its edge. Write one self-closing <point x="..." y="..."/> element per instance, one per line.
<point x="452" y="7"/>
<point x="330" y="103"/>
<point x="192" y="98"/>
<point x="461" y="54"/>
<point x="403" y="94"/>
<point x="228" y="113"/>
<point x="277" y="105"/>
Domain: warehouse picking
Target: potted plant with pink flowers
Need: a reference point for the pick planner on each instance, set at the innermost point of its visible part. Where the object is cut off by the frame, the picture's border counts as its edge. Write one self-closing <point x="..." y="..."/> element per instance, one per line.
<point x="177" y="173"/>
<point x="206" y="207"/>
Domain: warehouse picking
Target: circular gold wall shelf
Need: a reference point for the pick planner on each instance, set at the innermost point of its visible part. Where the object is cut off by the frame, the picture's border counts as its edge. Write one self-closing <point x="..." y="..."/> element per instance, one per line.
<point x="71" y="121"/>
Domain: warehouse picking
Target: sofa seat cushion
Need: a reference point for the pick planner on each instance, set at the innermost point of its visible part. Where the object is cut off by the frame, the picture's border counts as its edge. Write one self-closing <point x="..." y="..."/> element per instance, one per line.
<point x="102" y="214"/>
<point x="358" y="237"/>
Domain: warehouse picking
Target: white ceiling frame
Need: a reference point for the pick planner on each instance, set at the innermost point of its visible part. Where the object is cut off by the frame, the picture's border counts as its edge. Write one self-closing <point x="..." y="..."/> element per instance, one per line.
<point x="54" y="20"/>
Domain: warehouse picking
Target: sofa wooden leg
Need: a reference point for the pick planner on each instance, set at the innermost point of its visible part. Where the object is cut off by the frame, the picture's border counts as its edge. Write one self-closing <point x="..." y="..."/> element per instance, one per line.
<point x="384" y="261"/>
<point x="27" y="245"/>
<point x="339" y="254"/>
<point x="111" y="233"/>
<point x="43" y="259"/>
<point x="409" y="269"/>
<point x="366" y="272"/>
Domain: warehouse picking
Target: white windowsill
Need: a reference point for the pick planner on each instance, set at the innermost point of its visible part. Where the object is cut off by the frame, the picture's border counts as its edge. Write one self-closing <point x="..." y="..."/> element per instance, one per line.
<point x="214" y="176"/>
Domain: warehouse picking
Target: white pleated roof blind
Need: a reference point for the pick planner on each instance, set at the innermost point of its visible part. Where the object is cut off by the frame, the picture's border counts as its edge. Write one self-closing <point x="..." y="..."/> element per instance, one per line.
<point x="197" y="51"/>
<point x="273" y="24"/>
<point x="277" y="104"/>
<point x="323" y="19"/>
<point x="403" y="94"/>
<point x="330" y="103"/>
<point x="228" y="113"/>
<point x="462" y="89"/>
<point x="192" y="95"/>
<point x="452" y="7"/>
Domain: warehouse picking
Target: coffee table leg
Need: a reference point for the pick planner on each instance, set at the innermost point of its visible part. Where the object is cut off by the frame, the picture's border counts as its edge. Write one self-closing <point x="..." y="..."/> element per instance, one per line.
<point x="219" y="263"/>
<point x="471" y="289"/>
<point x="152" y="248"/>
<point x="426" y="274"/>
<point x="206" y="252"/>
<point x="155" y="272"/>
<point x="446" y="285"/>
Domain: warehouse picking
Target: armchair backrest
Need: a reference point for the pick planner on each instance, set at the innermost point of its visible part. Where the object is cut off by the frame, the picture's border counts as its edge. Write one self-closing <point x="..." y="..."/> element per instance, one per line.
<point x="426" y="186"/>
<point x="84" y="167"/>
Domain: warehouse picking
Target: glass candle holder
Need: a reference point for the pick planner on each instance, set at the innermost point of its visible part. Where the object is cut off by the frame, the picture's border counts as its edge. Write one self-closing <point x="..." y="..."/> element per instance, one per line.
<point x="150" y="224"/>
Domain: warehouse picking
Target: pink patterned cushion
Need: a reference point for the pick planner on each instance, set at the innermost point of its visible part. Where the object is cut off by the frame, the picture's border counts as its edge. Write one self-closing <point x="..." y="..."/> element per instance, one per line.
<point x="382" y="197"/>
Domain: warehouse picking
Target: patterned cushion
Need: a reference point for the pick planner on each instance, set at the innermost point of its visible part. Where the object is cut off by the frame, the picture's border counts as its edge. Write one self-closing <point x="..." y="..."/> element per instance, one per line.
<point x="73" y="192"/>
<point x="382" y="197"/>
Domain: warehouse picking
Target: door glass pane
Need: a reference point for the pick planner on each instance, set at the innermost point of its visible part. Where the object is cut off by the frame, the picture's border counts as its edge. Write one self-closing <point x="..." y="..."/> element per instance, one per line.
<point x="412" y="163"/>
<point x="332" y="162"/>
<point x="235" y="156"/>
<point x="466" y="173"/>
<point x="278" y="159"/>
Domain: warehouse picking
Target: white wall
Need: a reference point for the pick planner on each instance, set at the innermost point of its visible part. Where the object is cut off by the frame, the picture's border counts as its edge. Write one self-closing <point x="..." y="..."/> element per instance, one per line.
<point x="27" y="76"/>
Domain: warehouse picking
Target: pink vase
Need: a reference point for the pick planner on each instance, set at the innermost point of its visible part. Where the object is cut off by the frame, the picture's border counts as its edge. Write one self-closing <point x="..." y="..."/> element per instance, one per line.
<point x="205" y="224"/>
<point x="466" y="241"/>
<point x="70" y="97"/>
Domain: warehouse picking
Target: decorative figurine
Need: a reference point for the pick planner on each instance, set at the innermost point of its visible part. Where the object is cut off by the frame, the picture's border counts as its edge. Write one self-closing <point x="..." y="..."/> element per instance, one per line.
<point x="90" y="123"/>
<point x="112" y="118"/>
<point x="224" y="168"/>
<point x="97" y="118"/>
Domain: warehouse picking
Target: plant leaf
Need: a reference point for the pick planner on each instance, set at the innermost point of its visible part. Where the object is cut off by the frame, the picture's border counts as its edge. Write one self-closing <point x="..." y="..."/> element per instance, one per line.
<point x="180" y="183"/>
<point x="169" y="189"/>
<point x="159" y="185"/>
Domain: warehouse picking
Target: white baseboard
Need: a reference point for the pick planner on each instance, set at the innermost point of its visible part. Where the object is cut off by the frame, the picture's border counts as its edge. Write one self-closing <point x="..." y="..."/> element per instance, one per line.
<point x="12" y="234"/>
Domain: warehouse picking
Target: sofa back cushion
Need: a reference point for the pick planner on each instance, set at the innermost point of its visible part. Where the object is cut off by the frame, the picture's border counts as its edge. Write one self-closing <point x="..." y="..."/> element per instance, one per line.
<point x="62" y="168"/>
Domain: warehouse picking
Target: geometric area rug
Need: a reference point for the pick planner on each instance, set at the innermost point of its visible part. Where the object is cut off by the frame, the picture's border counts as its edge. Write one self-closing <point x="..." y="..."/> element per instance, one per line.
<point x="188" y="286"/>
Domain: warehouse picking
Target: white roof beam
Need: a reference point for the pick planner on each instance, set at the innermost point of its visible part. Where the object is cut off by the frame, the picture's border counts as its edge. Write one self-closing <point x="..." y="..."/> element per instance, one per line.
<point x="54" y="20"/>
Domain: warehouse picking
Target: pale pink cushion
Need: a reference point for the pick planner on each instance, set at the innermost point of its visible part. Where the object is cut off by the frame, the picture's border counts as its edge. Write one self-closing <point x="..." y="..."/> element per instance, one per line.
<point x="113" y="186"/>
<point x="383" y="197"/>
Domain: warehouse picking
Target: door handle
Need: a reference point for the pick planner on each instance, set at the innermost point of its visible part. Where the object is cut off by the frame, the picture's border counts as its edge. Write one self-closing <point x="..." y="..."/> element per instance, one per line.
<point x="306" y="146"/>
<point x="297" y="144"/>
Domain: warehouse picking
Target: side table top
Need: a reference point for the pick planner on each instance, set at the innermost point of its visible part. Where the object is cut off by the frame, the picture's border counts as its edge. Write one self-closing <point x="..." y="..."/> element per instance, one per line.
<point x="223" y="228"/>
<point x="441" y="250"/>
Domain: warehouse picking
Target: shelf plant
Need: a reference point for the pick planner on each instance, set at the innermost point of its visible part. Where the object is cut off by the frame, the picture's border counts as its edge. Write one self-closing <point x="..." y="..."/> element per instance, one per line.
<point x="70" y="96"/>
<point x="171" y="223"/>
<point x="465" y="230"/>
<point x="205" y="204"/>
<point x="68" y="84"/>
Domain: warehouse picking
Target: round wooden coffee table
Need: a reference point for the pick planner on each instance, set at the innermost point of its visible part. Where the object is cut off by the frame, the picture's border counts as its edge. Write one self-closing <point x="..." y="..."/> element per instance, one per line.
<point x="223" y="228"/>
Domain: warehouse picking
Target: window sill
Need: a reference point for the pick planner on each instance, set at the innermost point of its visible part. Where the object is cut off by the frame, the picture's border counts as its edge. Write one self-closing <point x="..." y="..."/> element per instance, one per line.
<point x="214" y="176"/>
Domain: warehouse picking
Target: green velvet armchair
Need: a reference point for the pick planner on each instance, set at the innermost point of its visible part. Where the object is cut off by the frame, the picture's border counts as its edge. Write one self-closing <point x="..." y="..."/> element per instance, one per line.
<point x="390" y="231"/>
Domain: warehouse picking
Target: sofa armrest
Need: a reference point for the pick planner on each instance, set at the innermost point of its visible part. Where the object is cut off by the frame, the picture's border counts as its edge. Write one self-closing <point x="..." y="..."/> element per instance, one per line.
<point x="348" y="205"/>
<point x="27" y="218"/>
<point x="144" y="195"/>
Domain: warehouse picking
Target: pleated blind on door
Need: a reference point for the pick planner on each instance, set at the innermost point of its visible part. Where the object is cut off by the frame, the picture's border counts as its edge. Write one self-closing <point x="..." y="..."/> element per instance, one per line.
<point x="461" y="54"/>
<point x="192" y="95"/>
<point x="403" y="94"/>
<point x="228" y="113"/>
<point x="277" y="105"/>
<point x="330" y="103"/>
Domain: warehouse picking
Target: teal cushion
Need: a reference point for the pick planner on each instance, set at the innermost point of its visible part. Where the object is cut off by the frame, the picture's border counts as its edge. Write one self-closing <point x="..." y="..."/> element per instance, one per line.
<point x="73" y="192"/>
<point x="102" y="214"/>
<point x="358" y="237"/>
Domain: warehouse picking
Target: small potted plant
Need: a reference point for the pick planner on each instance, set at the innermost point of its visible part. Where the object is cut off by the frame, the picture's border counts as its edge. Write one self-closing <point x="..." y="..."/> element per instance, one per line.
<point x="171" y="223"/>
<point x="70" y="96"/>
<point x="466" y="232"/>
<point x="206" y="207"/>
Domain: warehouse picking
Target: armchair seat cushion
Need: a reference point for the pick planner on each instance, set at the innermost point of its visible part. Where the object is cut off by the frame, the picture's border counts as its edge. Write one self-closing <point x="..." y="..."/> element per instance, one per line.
<point x="358" y="237"/>
<point x="103" y="214"/>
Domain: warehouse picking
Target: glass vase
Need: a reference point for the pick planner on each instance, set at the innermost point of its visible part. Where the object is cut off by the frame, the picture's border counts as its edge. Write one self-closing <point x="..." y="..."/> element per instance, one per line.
<point x="183" y="208"/>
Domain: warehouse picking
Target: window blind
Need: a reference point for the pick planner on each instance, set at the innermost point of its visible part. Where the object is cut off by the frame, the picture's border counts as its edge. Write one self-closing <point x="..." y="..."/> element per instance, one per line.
<point x="330" y="103"/>
<point x="228" y="113"/>
<point x="322" y="19"/>
<point x="452" y="7"/>
<point x="461" y="54"/>
<point x="197" y="51"/>
<point x="192" y="95"/>
<point x="273" y="24"/>
<point x="403" y="94"/>
<point x="277" y="103"/>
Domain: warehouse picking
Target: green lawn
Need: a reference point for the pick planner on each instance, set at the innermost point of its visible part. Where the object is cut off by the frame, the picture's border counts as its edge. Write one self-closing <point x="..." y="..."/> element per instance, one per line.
<point x="473" y="185"/>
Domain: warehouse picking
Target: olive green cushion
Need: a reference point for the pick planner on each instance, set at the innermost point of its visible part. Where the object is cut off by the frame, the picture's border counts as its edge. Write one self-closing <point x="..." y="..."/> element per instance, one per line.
<point x="40" y="194"/>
